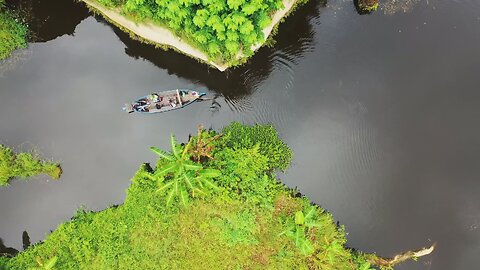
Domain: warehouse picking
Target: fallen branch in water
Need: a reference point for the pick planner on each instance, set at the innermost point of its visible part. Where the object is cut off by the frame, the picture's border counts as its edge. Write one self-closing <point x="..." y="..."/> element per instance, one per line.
<point x="389" y="263"/>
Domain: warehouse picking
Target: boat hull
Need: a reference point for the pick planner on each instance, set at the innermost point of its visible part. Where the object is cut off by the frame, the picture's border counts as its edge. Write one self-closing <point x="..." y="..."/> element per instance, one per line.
<point x="163" y="101"/>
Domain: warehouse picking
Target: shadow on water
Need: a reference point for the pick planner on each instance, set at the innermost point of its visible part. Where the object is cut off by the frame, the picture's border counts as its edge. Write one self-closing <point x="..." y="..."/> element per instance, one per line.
<point x="7" y="251"/>
<point x="292" y="42"/>
<point x="25" y="240"/>
<point x="50" y="19"/>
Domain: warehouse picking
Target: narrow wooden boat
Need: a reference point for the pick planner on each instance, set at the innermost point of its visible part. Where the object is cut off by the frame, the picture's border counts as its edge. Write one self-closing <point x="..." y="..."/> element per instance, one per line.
<point x="163" y="101"/>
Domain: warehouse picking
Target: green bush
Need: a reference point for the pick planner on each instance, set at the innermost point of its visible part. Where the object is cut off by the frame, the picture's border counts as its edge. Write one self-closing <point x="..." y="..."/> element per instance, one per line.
<point x="24" y="165"/>
<point x="240" y="136"/>
<point x="13" y="34"/>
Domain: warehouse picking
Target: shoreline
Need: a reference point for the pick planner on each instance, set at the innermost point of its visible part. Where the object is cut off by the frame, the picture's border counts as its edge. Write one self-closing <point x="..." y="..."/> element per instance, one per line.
<point x="158" y="35"/>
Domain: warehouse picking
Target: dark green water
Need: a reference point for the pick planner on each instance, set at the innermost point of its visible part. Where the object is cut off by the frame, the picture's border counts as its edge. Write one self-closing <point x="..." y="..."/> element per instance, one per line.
<point x="382" y="112"/>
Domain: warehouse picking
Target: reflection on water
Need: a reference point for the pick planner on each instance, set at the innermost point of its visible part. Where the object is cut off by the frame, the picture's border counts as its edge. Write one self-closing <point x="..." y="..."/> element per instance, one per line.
<point x="49" y="19"/>
<point x="381" y="113"/>
<point x="16" y="59"/>
<point x="6" y="251"/>
<point x="292" y="42"/>
<point x="25" y="240"/>
<point x="391" y="7"/>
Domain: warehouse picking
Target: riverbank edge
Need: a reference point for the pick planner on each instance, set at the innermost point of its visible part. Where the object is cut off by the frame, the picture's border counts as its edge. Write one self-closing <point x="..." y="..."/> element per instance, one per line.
<point x="275" y="223"/>
<point x="161" y="37"/>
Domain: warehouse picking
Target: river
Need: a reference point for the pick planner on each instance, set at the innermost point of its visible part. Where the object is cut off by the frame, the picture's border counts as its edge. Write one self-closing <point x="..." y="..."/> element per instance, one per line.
<point x="382" y="112"/>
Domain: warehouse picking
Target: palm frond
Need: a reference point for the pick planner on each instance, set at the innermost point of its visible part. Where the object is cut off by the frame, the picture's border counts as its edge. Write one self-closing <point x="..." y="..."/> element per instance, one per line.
<point x="163" y="187"/>
<point x="185" y="149"/>
<point x="173" y="144"/>
<point x="210" y="184"/>
<point x="161" y="153"/>
<point x="199" y="191"/>
<point x="192" y="167"/>
<point x="166" y="169"/>
<point x="187" y="181"/>
<point x="184" y="196"/>
<point x="51" y="263"/>
<point x="170" y="197"/>
<point x="310" y="213"/>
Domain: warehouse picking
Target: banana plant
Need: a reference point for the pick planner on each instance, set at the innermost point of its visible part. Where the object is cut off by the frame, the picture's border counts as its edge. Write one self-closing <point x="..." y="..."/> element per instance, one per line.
<point x="180" y="177"/>
<point x="298" y="231"/>
<point x="49" y="265"/>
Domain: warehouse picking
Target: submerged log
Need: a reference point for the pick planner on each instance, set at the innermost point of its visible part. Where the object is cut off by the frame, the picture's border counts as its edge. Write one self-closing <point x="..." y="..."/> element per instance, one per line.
<point x="391" y="262"/>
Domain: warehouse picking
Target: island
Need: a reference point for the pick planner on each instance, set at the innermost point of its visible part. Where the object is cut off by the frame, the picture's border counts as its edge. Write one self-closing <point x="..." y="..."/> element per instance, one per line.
<point x="220" y="33"/>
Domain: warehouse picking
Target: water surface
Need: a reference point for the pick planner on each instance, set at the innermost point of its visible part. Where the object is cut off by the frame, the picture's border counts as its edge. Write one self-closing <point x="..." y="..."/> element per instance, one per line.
<point x="381" y="111"/>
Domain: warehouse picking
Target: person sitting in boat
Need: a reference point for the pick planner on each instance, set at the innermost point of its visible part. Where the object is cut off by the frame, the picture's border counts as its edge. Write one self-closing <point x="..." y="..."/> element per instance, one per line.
<point x="154" y="97"/>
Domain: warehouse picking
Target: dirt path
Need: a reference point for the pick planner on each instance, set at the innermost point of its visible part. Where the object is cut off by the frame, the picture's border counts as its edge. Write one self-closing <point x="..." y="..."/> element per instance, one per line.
<point x="161" y="35"/>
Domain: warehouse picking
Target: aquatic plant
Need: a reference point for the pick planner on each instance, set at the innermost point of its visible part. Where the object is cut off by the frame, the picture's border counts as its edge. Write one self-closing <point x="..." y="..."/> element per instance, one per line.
<point x="13" y="34"/>
<point x="24" y="165"/>
<point x="230" y="230"/>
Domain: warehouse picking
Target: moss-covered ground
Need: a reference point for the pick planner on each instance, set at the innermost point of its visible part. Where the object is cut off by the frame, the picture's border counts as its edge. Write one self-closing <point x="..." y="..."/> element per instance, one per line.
<point x="13" y="34"/>
<point x="211" y="203"/>
<point x="24" y="165"/>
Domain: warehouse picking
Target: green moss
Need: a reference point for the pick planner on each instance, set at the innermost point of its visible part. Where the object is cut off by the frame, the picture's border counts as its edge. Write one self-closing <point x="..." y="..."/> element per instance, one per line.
<point x="24" y="165"/>
<point x="239" y="226"/>
<point x="13" y="34"/>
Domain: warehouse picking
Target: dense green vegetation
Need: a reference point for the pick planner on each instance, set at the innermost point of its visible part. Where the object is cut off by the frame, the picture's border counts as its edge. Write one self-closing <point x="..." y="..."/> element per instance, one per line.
<point x="12" y="33"/>
<point x="24" y="165"/>
<point x="212" y="203"/>
<point x="221" y="28"/>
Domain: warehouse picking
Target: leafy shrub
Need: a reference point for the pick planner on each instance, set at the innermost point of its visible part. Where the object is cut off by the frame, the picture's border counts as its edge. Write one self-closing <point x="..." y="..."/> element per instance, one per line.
<point x="24" y="165"/>
<point x="240" y="136"/>
<point x="244" y="175"/>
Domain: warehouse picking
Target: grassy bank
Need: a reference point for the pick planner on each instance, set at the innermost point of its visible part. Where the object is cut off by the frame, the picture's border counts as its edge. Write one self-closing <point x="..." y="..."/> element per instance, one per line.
<point x="211" y="203"/>
<point x="13" y="34"/>
<point x="24" y="165"/>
